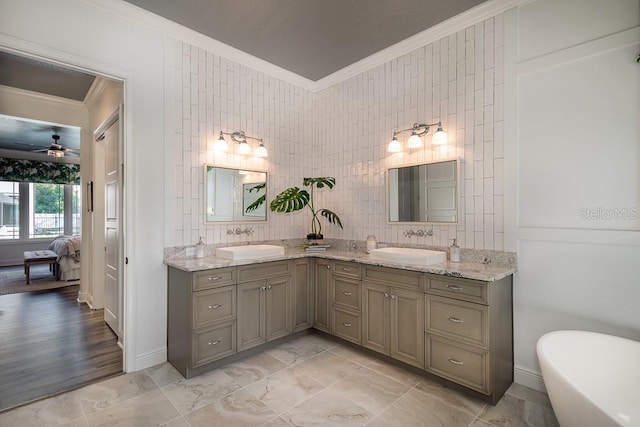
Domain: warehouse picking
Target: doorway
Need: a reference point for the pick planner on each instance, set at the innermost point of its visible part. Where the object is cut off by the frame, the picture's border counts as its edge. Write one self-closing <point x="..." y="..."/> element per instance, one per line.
<point x="88" y="298"/>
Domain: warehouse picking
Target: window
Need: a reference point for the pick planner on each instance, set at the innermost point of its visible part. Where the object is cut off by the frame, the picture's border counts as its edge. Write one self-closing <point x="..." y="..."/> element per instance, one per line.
<point x="39" y="211"/>
<point x="9" y="210"/>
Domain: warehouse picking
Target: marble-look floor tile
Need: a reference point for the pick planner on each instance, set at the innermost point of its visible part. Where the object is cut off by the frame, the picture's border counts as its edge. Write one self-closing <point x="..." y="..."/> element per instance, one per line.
<point x="253" y="368"/>
<point x="417" y="409"/>
<point x="194" y="393"/>
<point x="326" y="368"/>
<point x="353" y="355"/>
<point x="149" y="409"/>
<point x="54" y="411"/>
<point x="277" y="422"/>
<point x="514" y="412"/>
<point x="284" y="390"/>
<point x="452" y="397"/>
<point x="178" y="422"/>
<point x="326" y="408"/>
<point x="164" y="374"/>
<point x="107" y="393"/>
<point x="399" y="374"/>
<point x="372" y="391"/>
<point x="296" y="351"/>
<point x="522" y="392"/>
<point x="237" y="409"/>
<point x="319" y="340"/>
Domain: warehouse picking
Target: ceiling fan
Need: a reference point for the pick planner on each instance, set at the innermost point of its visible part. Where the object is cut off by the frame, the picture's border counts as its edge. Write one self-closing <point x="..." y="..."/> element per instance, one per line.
<point x="56" y="149"/>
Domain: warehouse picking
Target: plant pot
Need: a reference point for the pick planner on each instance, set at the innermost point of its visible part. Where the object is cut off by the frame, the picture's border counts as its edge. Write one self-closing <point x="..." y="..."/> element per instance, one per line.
<point x="315" y="236"/>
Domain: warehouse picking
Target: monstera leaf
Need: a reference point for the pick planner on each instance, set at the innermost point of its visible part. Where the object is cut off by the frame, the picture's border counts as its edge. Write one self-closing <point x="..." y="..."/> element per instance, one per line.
<point x="294" y="199"/>
<point x="260" y="200"/>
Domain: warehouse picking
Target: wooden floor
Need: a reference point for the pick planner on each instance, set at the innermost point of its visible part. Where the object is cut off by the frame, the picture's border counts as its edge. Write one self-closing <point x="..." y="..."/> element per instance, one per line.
<point x="50" y="343"/>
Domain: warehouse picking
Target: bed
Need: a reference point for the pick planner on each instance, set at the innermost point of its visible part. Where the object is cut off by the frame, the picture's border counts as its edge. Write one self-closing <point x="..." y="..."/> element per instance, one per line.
<point x="67" y="249"/>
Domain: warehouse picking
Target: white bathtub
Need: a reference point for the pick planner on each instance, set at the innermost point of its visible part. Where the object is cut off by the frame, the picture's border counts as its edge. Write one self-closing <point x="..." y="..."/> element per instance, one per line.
<point x="592" y="379"/>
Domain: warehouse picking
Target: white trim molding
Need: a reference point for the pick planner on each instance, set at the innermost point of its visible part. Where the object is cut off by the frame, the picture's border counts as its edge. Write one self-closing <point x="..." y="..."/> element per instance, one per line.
<point x="148" y="360"/>
<point x="528" y="378"/>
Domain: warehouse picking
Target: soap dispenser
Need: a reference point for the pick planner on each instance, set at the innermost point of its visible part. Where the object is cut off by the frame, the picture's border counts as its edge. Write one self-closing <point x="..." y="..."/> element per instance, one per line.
<point x="372" y="243"/>
<point x="200" y="249"/>
<point x="454" y="252"/>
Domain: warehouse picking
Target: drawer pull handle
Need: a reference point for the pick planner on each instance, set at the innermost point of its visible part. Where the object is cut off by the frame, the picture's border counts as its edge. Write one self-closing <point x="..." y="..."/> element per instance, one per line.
<point x="347" y="294"/>
<point x="328" y="266"/>
<point x="269" y="287"/>
<point x="263" y="288"/>
<point x="210" y="278"/>
<point x="454" y="361"/>
<point x="453" y="287"/>
<point x="213" y="307"/>
<point x="386" y="295"/>
<point x="347" y="325"/>
<point x="455" y="319"/>
<point x="214" y="342"/>
<point x="393" y="296"/>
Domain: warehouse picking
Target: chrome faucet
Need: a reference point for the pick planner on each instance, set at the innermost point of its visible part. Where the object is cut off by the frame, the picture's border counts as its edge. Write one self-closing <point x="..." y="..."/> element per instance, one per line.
<point x="419" y="233"/>
<point x="238" y="231"/>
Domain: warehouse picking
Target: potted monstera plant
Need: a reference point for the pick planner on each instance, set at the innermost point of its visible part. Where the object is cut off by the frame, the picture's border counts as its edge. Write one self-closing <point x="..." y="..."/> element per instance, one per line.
<point x="294" y="199"/>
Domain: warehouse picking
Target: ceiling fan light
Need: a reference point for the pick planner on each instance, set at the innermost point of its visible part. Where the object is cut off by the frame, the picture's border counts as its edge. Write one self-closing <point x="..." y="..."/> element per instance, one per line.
<point x="55" y="153"/>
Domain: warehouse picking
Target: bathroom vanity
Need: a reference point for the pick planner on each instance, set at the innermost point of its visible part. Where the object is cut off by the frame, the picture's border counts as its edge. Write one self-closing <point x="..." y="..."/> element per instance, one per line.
<point x="453" y="321"/>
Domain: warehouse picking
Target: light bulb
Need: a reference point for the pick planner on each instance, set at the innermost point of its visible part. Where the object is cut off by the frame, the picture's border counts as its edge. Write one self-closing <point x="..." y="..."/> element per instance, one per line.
<point x="414" y="141"/>
<point x="440" y="137"/>
<point x="244" y="148"/>
<point x="220" y="145"/>
<point x="394" y="146"/>
<point x="261" y="151"/>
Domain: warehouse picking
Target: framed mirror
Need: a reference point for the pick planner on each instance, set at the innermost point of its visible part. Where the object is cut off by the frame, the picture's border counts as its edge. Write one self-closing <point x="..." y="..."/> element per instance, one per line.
<point x="424" y="193"/>
<point x="235" y="195"/>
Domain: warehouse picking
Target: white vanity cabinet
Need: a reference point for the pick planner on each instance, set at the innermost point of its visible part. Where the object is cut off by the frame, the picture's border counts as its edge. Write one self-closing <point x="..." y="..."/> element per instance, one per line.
<point x="469" y="333"/>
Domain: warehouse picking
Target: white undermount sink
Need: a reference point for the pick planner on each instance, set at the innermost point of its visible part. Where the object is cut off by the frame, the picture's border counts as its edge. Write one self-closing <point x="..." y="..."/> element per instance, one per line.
<point x="422" y="257"/>
<point x="250" y="252"/>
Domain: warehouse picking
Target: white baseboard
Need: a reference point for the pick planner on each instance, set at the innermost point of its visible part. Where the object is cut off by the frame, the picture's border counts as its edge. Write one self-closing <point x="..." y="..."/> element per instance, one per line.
<point x="528" y="378"/>
<point x="83" y="298"/>
<point x="151" y="359"/>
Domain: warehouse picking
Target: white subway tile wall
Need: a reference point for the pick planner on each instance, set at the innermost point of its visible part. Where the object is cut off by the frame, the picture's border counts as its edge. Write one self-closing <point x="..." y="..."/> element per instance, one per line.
<point x="343" y="132"/>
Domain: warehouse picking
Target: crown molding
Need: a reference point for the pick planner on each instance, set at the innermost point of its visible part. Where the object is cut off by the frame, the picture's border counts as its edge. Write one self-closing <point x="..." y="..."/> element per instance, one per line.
<point x="430" y="35"/>
<point x="179" y="32"/>
<point x="94" y="92"/>
<point x="6" y="91"/>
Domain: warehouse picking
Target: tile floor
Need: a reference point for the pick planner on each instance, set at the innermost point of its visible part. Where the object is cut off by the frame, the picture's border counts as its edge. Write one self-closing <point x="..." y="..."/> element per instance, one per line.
<point x="309" y="381"/>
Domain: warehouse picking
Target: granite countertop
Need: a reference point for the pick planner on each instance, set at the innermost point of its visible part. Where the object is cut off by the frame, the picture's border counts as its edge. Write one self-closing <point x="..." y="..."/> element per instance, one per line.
<point x="467" y="270"/>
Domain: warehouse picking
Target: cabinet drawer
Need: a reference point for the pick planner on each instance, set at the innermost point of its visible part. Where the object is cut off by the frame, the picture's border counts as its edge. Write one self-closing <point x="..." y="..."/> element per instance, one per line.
<point x="346" y="292"/>
<point x="346" y="325"/>
<point x="462" y="364"/>
<point x="265" y="270"/>
<point x="214" y="343"/>
<point x="214" y="305"/>
<point x="458" y="320"/>
<point x="395" y="277"/>
<point x="347" y="269"/>
<point x="468" y="290"/>
<point x="213" y="278"/>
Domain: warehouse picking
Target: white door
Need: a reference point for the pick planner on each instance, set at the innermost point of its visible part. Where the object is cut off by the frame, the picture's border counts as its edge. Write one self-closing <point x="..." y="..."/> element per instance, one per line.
<point x="110" y="137"/>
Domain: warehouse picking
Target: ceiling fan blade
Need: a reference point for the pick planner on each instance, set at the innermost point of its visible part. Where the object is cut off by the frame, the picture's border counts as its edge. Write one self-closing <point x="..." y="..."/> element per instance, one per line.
<point x="41" y="150"/>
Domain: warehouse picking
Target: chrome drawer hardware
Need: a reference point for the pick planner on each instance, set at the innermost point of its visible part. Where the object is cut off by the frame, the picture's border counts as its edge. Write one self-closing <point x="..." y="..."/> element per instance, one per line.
<point x="345" y="324"/>
<point x="214" y="278"/>
<point x="213" y="307"/>
<point x="346" y="269"/>
<point x="393" y="296"/>
<point x="347" y="294"/>
<point x="269" y="287"/>
<point x="214" y="342"/>
<point x="454" y="361"/>
<point x="263" y="288"/>
<point x="453" y="287"/>
<point x="386" y="295"/>
<point x="455" y="319"/>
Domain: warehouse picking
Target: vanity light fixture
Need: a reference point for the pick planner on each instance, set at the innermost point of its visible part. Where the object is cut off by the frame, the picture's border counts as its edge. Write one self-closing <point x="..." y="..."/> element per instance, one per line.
<point x="239" y="138"/>
<point x="414" y="141"/>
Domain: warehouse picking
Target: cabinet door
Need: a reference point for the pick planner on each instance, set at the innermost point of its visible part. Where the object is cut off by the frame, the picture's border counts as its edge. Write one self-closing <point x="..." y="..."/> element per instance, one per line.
<point x="375" y="312"/>
<point x="301" y="296"/>
<point x="278" y="309"/>
<point x="251" y="314"/>
<point x="323" y="277"/>
<point x="407" y="326"/>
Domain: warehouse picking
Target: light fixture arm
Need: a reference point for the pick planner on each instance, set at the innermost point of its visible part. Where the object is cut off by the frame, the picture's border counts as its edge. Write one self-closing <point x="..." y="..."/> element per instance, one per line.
<point x="240" y="137"/>
<point x="418" y="128"/>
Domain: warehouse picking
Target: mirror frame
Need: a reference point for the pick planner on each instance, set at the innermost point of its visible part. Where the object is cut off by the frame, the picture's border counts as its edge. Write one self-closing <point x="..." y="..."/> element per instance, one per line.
<point x="206" y="194"/>
<point x="388" y="189"/>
